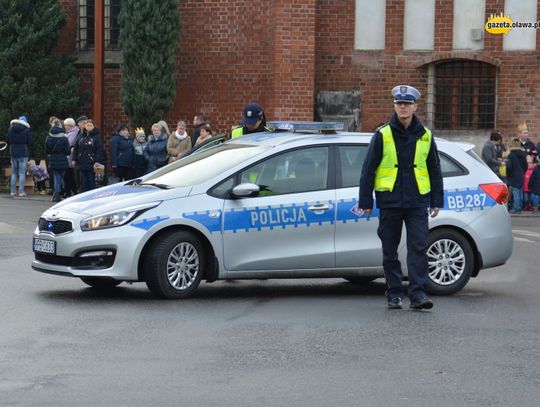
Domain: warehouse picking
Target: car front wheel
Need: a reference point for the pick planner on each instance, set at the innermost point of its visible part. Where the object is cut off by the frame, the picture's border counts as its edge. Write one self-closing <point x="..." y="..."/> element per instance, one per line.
<point x="450" y="261"/>
<point x="175" y="265"/>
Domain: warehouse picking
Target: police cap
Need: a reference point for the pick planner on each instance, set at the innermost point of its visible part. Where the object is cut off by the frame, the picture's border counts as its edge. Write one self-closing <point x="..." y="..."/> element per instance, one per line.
<point x="252" y="114"/>
<point x="405" y="93"/>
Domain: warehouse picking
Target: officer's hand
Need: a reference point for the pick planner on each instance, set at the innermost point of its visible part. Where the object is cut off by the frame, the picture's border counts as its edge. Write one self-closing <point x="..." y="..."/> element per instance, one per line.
<point x="434" y="212"/>
<point x="367" y="211"/>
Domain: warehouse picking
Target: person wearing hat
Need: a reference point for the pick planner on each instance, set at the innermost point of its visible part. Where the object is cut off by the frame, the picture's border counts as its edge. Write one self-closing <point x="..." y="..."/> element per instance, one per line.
<point x="402" y="167"/>
<point x="19" y="140"/>
<point x="253" y="121"/>
<point x="516" y="165"/>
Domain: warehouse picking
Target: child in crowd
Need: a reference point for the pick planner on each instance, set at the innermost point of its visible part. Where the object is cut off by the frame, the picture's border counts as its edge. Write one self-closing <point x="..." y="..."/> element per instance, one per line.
<point x="40" y="176"/>
<point x="138" y="146"/>
<point x="527" y="202"/>
<point x="534" y="185"/>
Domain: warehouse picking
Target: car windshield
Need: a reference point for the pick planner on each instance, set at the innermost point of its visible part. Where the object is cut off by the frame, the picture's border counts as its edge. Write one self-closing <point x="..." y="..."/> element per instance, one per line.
<point x="203" y="166"/>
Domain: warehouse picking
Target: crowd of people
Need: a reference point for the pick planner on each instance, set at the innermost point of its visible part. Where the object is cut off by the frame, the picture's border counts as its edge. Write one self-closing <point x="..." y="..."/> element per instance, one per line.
<point x="518" y="165"/>
<point x="76" y="158"/>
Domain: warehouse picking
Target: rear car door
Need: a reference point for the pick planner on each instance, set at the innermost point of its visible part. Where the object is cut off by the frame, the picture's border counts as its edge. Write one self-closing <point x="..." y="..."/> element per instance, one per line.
<point x="290" y="224"/>
<point x="357" y="243"/>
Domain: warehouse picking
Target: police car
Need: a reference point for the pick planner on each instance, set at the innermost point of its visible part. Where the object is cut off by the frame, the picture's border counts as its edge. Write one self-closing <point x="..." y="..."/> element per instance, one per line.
<point x="267" y="205"/>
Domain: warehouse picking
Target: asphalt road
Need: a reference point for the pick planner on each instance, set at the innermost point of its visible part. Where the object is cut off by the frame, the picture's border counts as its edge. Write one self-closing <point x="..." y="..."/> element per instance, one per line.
<point x="268" y="343"/>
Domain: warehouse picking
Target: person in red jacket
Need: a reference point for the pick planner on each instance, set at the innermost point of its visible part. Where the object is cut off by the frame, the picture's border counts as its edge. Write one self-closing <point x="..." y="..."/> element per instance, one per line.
<point x="527" y="203"/>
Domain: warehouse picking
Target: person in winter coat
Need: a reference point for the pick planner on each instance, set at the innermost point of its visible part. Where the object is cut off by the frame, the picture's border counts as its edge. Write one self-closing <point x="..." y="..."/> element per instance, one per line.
<point x="489" y="152"/>
<point x="534" y="185"/>
<point x="179" y="142"/>
<point x="57" y="150"/>
<point x="70" y="183"/>
<point x="87" y="152"/>
<point x="155" y="150"/>
<point x="516" y="165"/>
<point x="138" y="149"/>
<point x="205" y="134"/>
<point x="122" y="154"/>
<point x="527" y="202"/>
<point x="19" y="140"/>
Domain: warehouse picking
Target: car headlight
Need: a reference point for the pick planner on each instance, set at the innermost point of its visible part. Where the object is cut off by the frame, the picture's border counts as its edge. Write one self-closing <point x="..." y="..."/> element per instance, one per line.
<point x="115" y="219"/>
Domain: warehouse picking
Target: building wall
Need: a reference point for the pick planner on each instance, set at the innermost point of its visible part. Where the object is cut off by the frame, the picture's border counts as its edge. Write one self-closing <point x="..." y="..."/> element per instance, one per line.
<point x="339" y="67"/>
<point x="283" y="53"/>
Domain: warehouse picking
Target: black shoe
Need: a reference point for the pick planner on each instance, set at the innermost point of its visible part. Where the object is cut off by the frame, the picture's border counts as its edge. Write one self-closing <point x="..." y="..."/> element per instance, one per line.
<point x="395" y="303"/>
<point x="421" y="303"/>
<point x="56" y="197"/>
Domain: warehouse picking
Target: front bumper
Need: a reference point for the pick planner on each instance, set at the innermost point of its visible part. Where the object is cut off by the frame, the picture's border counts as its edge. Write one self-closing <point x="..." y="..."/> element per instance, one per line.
<point x="110" y="252"/>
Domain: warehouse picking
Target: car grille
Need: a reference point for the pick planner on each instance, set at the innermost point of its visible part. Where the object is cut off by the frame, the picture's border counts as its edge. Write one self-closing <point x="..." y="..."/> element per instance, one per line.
<point x="55" y="227"/>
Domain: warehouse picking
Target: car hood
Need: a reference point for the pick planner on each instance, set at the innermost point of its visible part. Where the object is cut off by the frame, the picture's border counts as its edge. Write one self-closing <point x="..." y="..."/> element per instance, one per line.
<point x="118" y="196"/>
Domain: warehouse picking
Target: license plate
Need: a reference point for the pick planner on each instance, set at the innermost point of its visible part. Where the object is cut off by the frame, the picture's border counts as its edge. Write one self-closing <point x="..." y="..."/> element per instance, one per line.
<point x="44" y="246"/>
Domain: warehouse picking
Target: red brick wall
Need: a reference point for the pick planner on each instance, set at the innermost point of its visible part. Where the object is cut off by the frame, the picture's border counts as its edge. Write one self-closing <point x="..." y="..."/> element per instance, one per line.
<point x="341" y="68"/>
<point x="68" y="35"/>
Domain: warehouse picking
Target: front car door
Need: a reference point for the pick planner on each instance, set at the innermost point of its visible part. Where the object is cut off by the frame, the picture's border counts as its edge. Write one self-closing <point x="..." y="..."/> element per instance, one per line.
<point x="290" y="224"/>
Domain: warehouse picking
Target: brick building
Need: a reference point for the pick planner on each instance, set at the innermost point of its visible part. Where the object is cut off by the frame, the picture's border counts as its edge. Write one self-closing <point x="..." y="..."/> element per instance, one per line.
<point x="313" y="59"/>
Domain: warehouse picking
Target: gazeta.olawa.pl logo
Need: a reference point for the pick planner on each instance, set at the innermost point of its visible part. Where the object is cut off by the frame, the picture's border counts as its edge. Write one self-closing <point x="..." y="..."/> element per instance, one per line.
<point x="502" y="24"/>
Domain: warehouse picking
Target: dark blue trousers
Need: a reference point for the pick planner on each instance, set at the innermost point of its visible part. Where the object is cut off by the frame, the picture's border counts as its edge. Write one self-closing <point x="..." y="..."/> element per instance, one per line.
<point x="389" y="231"/>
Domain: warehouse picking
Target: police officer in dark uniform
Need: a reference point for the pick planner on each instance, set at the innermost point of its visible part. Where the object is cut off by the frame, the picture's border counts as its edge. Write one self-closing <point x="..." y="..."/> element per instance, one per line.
<point x="402" y="166"/>
<point x="253" y="121"/>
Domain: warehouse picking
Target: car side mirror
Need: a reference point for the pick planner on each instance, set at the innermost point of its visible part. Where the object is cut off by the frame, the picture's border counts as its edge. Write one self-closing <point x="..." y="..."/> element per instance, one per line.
<point x="245" y="190"/>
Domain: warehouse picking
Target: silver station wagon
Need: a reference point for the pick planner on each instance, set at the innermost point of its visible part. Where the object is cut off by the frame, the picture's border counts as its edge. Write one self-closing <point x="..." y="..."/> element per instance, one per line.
<point x="267" y="205"/>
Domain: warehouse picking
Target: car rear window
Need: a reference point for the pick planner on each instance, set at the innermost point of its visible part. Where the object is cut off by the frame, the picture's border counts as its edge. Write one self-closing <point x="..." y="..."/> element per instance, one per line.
<point x="450" y="167"/>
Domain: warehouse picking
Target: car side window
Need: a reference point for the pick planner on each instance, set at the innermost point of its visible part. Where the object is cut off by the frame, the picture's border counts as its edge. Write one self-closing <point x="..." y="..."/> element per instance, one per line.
<point x="351" y="160"/>
<point x="295" y="171"/>
<point x="449" y="167"/>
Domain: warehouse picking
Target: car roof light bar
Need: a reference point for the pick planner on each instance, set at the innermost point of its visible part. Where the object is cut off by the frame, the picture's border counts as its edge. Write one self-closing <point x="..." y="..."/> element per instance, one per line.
<point x="305" y="126"/>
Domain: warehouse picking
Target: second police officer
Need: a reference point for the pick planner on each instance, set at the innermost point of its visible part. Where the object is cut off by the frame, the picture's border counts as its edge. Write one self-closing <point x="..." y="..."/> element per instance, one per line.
<point x="253" y="121"/>
<point x="402" y="166"/>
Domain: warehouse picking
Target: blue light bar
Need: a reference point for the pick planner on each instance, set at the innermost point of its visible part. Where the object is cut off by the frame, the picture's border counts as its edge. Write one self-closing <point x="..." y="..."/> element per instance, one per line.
<point x="305" y="126"/>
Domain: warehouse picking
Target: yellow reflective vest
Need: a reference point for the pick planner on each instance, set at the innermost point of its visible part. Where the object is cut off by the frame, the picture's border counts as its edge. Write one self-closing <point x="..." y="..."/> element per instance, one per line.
<point x="239" y="131"/>
<point x="386" y="173"/>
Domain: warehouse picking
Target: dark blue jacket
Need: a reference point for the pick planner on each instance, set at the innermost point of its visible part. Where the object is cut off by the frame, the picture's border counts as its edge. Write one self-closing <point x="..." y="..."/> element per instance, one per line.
<point x="405" y="193"/>
<point x="88" y="150"/>
<point x="122" y="154"/>
<point x="57" y="149"/>
<point x="516" y="165"/>
<point x="155" y="152"/>
<point x="534" y="181"/>
<point x="19" y="139"/>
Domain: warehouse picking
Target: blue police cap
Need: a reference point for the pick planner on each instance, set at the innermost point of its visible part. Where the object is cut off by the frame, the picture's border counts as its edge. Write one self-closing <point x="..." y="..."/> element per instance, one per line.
<point x="252" y="114"/>
<point x="405" y="93"/>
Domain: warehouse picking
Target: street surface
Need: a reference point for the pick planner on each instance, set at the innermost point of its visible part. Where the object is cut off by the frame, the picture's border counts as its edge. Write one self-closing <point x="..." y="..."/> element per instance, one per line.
<point x="267" y="343"/>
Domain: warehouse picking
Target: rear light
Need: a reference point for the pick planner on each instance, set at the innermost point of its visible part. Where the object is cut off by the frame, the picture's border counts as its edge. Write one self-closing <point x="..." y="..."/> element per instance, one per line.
<point x="498" y="191"/>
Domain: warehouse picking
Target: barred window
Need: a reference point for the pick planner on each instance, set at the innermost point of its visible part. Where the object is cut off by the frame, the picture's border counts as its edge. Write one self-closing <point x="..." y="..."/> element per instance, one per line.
<point x="86" y="24"/>
<point x="465" y="95"/>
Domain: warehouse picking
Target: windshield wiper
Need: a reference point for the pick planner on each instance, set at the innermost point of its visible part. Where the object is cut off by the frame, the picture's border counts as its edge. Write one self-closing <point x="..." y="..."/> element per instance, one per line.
<point x="162" y="186"/>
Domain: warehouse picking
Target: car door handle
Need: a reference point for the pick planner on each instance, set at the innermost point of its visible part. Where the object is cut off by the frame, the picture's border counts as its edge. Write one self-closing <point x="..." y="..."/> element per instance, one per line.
<point x="319" y="207"/>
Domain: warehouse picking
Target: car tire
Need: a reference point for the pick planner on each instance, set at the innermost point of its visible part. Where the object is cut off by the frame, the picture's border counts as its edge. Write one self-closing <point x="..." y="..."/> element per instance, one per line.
<point x="450" y="262"/>
<point x="101" y="283"/>
<point x="175" y="265"/>
<point x="360" y="279"/>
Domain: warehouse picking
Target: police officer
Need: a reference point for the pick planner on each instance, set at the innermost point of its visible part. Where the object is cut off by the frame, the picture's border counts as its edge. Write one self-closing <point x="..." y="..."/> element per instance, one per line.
<point x="402" y="166"/>
<point x="253" y="121"/>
